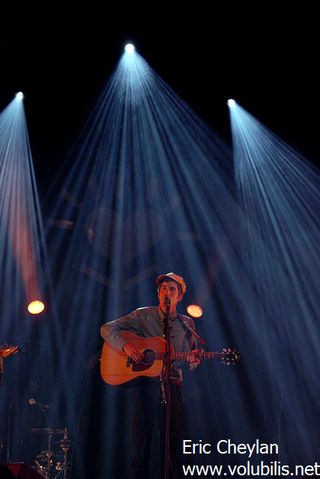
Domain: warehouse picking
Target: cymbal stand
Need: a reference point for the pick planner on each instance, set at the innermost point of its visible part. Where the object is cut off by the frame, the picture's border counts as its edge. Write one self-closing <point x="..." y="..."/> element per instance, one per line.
<point x="65" y="446"/>
<point x="9" y="433"/>
<point x="49" y="451"/>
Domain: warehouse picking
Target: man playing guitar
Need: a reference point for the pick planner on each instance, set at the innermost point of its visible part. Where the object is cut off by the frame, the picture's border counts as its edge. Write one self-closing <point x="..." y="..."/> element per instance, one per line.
<point x="147" y="407"/>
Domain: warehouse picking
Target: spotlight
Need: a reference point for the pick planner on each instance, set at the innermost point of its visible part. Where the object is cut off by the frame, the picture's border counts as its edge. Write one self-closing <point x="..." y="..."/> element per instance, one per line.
<point x="231" y="103"/>
<point x="36" y="307"/>
<point x="129" y="48"/>
<point x="19" y="96"/>
<point x="194" y="310"/>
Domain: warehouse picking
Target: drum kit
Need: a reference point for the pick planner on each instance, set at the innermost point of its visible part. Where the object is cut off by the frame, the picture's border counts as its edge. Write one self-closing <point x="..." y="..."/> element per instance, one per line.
<point x="52" y="463"/>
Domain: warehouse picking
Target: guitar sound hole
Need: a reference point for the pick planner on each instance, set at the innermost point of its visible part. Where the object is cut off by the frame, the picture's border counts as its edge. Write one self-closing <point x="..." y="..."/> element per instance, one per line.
<point x="147" y="361"/>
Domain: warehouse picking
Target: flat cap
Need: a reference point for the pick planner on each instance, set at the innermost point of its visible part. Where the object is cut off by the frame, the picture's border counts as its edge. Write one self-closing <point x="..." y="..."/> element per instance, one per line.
<point x="172" y="277"/>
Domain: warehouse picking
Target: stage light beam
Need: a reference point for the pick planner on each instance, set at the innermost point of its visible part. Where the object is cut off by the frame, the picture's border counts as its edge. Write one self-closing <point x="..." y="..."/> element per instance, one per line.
<point x="129" y="48"/>
<point x="194" y="310"/>
<point x="19" y="96"/>
<point x="231" y="103"/>
<point x="36" y="307"/>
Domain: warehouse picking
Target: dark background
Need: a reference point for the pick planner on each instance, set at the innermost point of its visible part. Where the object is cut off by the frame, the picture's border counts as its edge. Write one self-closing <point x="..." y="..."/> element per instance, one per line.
<point x="61" y="56"/>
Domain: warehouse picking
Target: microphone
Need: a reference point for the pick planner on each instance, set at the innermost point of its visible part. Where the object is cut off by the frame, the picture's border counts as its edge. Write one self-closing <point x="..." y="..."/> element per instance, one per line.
<point x="33" y="402"/>
<point x="167" y="301"/>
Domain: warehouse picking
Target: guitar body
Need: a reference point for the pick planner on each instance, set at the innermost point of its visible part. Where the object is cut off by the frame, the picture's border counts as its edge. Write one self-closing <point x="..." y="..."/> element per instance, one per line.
<point x="116" y="368"/>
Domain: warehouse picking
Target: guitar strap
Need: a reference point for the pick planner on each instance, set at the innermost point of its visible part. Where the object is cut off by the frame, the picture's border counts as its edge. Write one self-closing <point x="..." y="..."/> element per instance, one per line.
<point x="187" y="324"/>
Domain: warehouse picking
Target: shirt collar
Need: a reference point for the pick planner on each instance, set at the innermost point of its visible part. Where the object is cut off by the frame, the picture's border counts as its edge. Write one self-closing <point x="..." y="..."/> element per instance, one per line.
<point x="172" y="316"/>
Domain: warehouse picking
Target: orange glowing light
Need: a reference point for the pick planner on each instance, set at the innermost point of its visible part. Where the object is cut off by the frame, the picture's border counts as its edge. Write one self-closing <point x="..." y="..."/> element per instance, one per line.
<point x="36" y="307"/>
<point x="194" y="310"/>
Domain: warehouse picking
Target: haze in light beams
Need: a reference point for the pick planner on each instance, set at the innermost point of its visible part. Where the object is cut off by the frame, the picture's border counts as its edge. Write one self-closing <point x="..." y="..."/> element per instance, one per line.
<point x="21" y="232"/>
<point x="23" y="279"/>
<point x="280" y="193"/>
<point x="147" y="189"/>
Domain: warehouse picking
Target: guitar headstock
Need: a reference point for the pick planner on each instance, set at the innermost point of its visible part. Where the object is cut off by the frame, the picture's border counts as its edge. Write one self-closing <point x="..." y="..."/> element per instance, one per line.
<point x="229" y="357"/>
<point x="6" y="351"/>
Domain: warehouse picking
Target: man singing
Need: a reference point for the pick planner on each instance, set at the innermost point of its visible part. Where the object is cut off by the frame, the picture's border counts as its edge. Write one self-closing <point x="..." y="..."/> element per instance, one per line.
<point x="148" y="411"/>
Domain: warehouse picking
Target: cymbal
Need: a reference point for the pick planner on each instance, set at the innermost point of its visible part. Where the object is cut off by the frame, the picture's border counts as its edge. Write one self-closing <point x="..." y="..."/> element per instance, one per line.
<point x="47" y="430"/>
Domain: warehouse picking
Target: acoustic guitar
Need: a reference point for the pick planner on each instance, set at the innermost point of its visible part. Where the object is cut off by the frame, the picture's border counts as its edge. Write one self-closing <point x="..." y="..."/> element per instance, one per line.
<point x="117" y="368"/>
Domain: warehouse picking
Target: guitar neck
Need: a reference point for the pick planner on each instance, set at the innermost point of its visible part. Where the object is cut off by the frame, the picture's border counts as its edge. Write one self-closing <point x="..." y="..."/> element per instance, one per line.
<point x="182" y="355"/>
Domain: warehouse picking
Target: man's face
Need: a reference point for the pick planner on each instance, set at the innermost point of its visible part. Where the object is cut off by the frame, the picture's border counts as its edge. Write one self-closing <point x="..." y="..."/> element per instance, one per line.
<point x="169" y="289"/>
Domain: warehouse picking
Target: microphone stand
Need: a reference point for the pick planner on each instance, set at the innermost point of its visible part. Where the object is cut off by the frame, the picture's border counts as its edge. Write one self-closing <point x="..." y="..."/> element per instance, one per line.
<point x="9" y="425"/>
<point x="166" y="390"/>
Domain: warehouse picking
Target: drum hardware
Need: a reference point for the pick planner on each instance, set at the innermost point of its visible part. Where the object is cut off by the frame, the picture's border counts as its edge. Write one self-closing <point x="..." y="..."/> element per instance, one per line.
<point x="47" y="430"/>
<point x="51" y="463"/>
<point x="65" y="445"/>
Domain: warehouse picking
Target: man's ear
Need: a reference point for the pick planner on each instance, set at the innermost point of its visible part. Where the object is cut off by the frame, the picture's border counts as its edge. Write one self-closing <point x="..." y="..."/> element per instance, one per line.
<point x="180" y="296"/>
